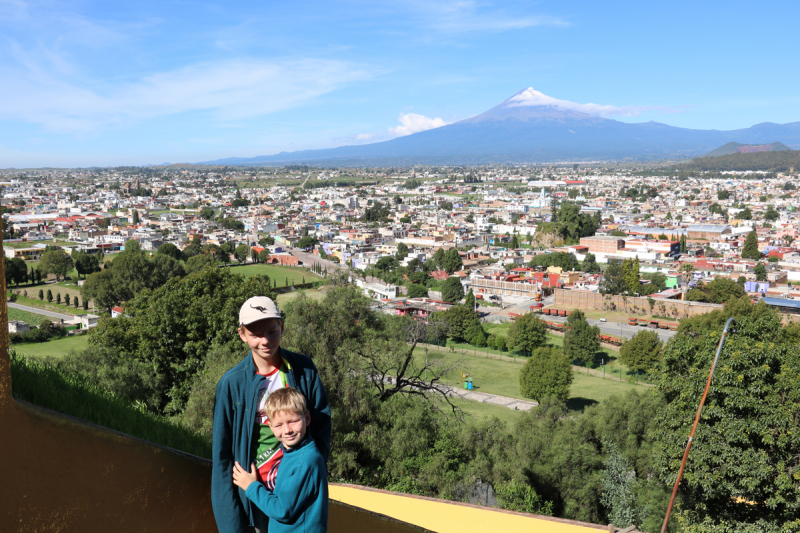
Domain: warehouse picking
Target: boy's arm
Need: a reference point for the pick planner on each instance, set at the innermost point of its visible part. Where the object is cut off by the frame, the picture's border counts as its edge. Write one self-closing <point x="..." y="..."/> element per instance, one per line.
<point x="228" y="509"/>
<point x="292" y="496"/>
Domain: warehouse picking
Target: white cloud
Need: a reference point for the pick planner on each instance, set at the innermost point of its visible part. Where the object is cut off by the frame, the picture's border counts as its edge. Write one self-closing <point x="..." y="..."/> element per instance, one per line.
<point x="409" y="123"/>
<point x="413" y="123"/>
<point x="231" y="90"/>
<point x="530" y="97"/>
<point x="455" y="16"/>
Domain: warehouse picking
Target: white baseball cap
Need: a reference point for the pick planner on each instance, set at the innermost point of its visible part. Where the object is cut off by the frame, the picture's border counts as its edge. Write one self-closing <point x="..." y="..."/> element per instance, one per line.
<point x="258" y="308"/>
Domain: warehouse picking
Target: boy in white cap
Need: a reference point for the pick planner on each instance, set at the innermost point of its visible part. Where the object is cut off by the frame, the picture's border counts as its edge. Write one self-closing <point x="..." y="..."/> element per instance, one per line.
<point x="241" y="428"/>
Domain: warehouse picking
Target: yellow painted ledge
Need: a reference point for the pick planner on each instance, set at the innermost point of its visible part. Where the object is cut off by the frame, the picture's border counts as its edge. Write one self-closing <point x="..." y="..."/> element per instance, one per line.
<point x="444" y="516"/>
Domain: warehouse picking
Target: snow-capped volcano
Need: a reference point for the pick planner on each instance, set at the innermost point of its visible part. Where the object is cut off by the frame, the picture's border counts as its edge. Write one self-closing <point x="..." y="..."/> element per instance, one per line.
<point x="533" y="127"/>
<point x="530" y="97"/>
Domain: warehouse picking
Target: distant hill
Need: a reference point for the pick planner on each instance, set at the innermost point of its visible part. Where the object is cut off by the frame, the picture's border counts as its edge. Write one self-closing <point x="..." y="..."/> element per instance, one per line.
<point x="531" y="127"/>
<point x="738" y="148"/>
<point x="778" y="161"/>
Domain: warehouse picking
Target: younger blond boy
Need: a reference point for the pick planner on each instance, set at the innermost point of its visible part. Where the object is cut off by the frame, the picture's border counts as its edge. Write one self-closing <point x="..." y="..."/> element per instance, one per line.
<point x="299" y="501"/>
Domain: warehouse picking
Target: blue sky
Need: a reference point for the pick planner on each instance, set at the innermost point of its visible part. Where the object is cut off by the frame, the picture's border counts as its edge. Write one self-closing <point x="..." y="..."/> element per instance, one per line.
<point x="130" y="83"/>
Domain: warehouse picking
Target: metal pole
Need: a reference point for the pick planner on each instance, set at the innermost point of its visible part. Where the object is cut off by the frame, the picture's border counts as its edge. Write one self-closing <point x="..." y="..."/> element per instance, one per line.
<point x="696" y="420"/>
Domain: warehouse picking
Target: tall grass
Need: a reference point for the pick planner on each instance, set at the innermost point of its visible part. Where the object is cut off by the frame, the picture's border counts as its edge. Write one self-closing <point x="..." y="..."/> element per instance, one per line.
<point x="42" y="383"/>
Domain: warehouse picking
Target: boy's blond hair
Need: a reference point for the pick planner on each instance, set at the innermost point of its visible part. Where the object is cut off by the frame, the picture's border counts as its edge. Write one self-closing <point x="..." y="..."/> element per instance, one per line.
<point x="285" y="399"/>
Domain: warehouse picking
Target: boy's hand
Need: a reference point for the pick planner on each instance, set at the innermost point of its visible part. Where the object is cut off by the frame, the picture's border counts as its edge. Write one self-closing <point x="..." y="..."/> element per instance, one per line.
<point x="241" y="477"/>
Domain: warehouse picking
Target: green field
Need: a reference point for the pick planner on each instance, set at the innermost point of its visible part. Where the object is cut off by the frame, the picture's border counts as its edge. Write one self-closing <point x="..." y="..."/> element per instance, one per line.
<point x="43" y="304"/>
<point x="287" y="297"/>
<point x="502" y="377"/>
<point x="277" y="273"/>
<point x="480" y="410"/>
<point x="56" y="349"/>
<point x="32" y="319"/>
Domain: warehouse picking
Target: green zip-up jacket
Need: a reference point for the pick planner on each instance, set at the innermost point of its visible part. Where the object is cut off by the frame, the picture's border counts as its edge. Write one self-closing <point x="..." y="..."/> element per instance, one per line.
<point x="234" y="421"/>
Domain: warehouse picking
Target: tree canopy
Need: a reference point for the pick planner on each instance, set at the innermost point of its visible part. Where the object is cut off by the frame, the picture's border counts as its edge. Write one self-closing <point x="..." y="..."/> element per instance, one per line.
<point x="547" y="373"/>
<point x="57" y="262"/>
<point x="172" y="327"/>
<point x="452" y="290"/>
<point x="641" y="352"/>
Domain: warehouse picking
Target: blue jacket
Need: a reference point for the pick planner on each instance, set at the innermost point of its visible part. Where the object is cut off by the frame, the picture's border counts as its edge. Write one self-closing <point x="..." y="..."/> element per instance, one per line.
<point x="234" y="420"/>
<point x="299" y="503"/>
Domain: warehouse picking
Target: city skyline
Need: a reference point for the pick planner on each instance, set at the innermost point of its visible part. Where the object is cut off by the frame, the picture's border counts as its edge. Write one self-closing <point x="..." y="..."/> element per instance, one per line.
<point x="87" y="84"/>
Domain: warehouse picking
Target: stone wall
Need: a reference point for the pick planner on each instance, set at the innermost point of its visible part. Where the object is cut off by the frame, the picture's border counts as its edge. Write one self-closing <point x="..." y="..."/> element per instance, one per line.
<point x="592" y="300"/>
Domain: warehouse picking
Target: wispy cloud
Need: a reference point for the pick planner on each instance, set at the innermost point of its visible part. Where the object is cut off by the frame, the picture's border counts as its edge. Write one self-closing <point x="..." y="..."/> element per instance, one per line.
<point x="530" y="97"/>
<point x="409" y="123"/>
<point x="230" y="90"/>
<point x="456" y="16"/>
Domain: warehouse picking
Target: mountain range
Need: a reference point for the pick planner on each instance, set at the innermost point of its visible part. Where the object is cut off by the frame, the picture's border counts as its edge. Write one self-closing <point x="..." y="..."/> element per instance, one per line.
<point x="531" y="127"/>
<point x="738" y="148"/>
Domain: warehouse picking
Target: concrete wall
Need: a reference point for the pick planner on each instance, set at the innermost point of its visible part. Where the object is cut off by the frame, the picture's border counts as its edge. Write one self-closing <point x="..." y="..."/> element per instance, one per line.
<point x="591" y="300"/>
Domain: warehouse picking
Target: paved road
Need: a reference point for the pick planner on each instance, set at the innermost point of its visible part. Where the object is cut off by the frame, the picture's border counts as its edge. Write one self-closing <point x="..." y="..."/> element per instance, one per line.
<point x="40" y="311"/>
<point x="618" y="329"/>
<point x="484" y="397"/>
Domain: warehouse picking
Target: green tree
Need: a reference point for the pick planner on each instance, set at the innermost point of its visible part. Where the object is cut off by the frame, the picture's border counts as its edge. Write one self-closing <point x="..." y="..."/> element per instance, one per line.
<point x="745" y="214"/>
<point x="201" y="262"/>
<point x="580" y="339"/>
<point x="458" y="320"/>
<point x="517" y="496"/>
<point x="263" y="256"/>
<point x="590" y="265"/>
<point x="641" y="352"/>
<point x="241" y="252"/>
<point x="760" y="271"/>
<point x="207" y="213"/>
<point x="75" y="302"/>
<point x="451" y="261"/>
<point x="387" y="264"/>
<point x="452" y="290"/>
<point x="619" y="482"/>
<point x="232" y="224"/>
<point x="527" y="333"/>
<point x="66" y="299"/>
<point x="402" y="251"/>
<point x="16" y="270"/>
<point x="41" y="294"/>
<point x="57" y="262"/>
<point x="49" y="295"/>
<point x="770" y="214"/>
<point x="723" y="195"/>
<point x="171" y="250"/>
<point x="469" y="300"/>
<point x="416" y="290"/>
<point x="172" y="327"/>
<point x="58" y="298"/>
<point x="567" y="261"/>
<point x="307" y="242"/>
<point x="548" y="373"/>
<point x="85" y="264"/>
<point x="749" y="420"/>
<point x="135" y="218"/>
<point x="631" y="276"/>
<point x="613" y="280"/>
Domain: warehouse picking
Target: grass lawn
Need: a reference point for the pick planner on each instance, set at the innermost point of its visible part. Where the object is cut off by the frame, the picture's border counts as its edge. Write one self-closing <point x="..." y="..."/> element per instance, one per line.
<point x="56" y="348"/>
<point x="31" y="318"/>
<point x="292" y="296"/>
<point x="277" y="273"/>
<point x="480" y="410"/>
<point x="43" y="304"/>
<point x="502" y="377"/>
